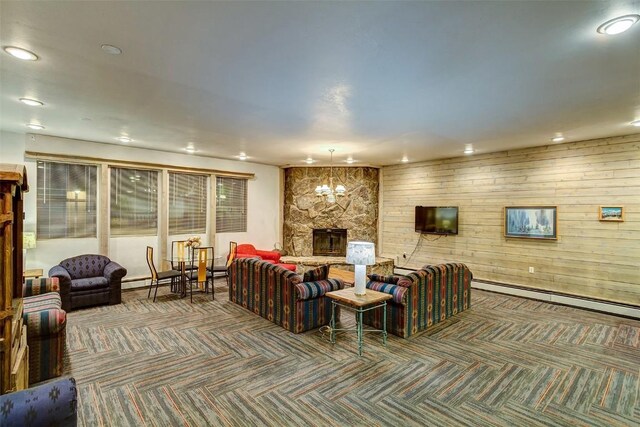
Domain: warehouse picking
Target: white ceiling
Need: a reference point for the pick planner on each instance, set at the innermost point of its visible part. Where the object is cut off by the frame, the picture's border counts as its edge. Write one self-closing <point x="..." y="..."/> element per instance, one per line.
<point x="285" y="80"/>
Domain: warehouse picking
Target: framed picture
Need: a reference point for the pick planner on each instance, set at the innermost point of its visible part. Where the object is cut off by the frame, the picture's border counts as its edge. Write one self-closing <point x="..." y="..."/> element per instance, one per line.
<point x="612" y="213"/>
<point x="531" y="222"/>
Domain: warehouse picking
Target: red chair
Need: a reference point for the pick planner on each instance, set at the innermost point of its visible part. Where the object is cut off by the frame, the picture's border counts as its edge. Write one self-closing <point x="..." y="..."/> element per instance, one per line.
<point x="249" y="251"/>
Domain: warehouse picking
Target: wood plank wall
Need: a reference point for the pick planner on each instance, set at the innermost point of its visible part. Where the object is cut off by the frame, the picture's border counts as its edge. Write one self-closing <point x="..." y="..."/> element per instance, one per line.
<point x="591" y="258"/>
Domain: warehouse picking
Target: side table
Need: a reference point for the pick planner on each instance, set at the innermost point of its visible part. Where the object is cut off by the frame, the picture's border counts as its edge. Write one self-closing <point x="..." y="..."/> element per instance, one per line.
<point x="34" y="272"/>
<point x="359" y="303"/>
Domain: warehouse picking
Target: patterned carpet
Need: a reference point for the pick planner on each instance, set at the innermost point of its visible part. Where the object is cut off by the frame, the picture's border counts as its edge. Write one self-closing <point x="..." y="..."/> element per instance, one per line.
<point x="506" y="362"/>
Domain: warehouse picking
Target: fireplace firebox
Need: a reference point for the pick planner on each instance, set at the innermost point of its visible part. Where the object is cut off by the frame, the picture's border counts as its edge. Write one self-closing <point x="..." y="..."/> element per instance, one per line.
<point x="329" y="242"/>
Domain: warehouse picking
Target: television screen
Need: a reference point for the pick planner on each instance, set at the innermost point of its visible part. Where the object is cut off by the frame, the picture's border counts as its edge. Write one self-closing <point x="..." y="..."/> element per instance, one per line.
<point x="437" y="220"/>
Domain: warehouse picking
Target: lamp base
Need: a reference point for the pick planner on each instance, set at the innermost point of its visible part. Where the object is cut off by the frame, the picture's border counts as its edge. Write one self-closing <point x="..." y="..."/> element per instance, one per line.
<point x="360" y="279"/>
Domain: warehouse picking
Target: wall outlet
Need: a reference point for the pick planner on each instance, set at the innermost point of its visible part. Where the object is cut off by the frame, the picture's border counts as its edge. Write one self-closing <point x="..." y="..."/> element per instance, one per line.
<point x="532" y="270"/>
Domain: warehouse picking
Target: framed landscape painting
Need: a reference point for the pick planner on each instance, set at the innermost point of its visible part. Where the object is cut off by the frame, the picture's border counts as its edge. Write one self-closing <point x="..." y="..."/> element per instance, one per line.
<point x="531" y="222"/>
<point x="612" y="213"/>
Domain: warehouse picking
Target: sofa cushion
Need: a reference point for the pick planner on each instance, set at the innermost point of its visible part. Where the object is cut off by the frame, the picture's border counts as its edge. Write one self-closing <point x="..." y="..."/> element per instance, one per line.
<point x="384" y="279"/>
<point x="310" y="290"/>
<point x="318" y="273"/>
<point x="89" y="283"/>
<point x="398" y="292"/>
<point x="83" y="266"/>
<point x="41" y="302"/>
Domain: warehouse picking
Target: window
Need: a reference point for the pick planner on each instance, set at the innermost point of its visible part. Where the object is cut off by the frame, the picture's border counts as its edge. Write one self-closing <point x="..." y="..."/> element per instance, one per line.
<point x="134" y="202"/>
<point x="66" y="200"/>
<point x="187" y="203"/>
<point x="231" y="205"/>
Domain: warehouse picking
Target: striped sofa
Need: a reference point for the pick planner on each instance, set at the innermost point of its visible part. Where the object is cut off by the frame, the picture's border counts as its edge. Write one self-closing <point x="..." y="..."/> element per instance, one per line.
<point x="46" y="328"/>
<point x="421" y="299"/>
<point x="280" y="295"/>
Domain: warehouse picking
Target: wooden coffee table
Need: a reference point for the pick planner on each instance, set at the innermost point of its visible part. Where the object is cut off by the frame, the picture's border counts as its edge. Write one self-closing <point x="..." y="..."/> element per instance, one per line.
<point x="348" y="299"/>
<point x="348" y="277"/>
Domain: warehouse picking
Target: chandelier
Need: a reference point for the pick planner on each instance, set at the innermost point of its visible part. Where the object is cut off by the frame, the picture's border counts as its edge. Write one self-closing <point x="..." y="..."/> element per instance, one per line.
<point x="328" y="191"/>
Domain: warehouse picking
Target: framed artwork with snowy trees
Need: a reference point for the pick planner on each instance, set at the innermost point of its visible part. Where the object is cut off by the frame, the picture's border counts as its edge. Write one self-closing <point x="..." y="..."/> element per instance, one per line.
<point x="531" y="222"/>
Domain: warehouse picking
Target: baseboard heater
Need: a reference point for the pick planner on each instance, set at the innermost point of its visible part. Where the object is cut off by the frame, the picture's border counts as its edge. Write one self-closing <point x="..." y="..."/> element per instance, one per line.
<point x="619" y="309"/>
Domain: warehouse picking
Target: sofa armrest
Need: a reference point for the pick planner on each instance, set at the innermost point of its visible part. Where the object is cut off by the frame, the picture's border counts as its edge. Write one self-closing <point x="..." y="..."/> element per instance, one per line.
<point x="396" y="291"/>
<point x="269" y="255"/>
<point x="40" y="286"/>
<point x="53" y="403"/>
<point x="311" y="290"/>
<point x="114" y="271"/>
<point x="64" y="279"/>
<point x="45" y="322"/>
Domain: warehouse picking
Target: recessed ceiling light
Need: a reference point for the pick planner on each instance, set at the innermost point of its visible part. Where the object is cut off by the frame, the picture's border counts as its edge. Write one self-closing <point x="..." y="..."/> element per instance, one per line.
<point x="111" y="49"/>
<point x="20" y="53"/>
<point x="243" y="156"/>
<point x="558" y="138"/>
<point x="125" y="139"/>
<point x="35" y="126"/>
<point x="635" y="123"/>
<point x="618" y="25"/>
<point x="350" y="160"/>
<point x="468" y="149"/>
<point x="190" y="149"/>
<point x="308" y="160"/>
<point x="405" y="159"/>
<point x="31" y="102"/>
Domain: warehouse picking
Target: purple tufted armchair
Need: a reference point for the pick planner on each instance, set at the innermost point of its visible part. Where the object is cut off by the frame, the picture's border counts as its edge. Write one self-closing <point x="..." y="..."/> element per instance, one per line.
<point x="87" y="280"/>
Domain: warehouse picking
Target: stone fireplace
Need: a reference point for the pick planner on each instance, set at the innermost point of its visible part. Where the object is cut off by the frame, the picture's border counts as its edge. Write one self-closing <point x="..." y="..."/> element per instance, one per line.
<point x="329" y="242"/>
<point x="304" y="212"/>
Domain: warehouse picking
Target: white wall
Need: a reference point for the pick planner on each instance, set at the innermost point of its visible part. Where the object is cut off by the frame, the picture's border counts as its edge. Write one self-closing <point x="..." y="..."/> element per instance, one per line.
<point x="263" y="218"/>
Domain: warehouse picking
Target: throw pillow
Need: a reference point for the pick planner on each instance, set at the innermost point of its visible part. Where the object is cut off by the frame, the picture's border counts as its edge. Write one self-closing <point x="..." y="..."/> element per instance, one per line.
<point x="384" y="279"/>
<point x="318" y="273"/>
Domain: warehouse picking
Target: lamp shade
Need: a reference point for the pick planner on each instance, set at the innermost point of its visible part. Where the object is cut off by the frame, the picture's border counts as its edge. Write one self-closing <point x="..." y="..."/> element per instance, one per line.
<point x="28" y="240"/>
<point x="361" y="253"/>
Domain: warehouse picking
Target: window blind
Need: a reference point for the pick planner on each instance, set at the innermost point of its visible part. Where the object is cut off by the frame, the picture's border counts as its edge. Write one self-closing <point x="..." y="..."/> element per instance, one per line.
<point x="134" y="202"/>
<point x="187" y="203"/>
<point x="231" y="205"/>
<point x="66" y="200"/>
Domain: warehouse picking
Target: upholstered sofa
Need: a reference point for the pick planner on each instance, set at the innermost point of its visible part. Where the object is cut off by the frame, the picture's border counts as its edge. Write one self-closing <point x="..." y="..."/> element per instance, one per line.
<point x="87" y="280"/>
<point x="46" y="328"/>
<point x="280" y="295"/>
<point x="52" y="404"/>
<point x="422" y="298"/>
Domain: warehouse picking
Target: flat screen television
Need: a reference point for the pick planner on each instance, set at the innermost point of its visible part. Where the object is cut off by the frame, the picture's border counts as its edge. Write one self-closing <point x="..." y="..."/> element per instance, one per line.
<point x="437" y="220"/>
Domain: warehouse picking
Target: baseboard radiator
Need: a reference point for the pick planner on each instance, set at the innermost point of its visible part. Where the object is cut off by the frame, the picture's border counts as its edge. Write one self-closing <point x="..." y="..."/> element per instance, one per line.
<point x="626" y="310"/>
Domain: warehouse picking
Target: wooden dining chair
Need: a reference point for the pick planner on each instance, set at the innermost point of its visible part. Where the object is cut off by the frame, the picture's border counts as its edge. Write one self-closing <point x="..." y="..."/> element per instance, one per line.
<point x="202" y="269"/>
<point x="175" y="249"/>
<point x="156" y="276"/>
<point x="225" y="267"/>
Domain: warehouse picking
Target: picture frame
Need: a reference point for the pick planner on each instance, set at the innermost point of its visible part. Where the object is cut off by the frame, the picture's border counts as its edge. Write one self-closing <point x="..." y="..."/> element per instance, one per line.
<point x="611" y="213"/>
<point x="531" y="222"/>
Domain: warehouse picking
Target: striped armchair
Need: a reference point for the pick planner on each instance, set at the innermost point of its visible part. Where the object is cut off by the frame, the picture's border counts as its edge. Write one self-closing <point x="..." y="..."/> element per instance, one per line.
<point x="46" y="328"/>
<point x="421" y="299"/>
<point x="281" y="296"/>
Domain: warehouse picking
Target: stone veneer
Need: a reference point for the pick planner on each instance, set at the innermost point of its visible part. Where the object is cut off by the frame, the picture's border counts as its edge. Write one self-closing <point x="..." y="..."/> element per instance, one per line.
<point x="357" y="211"/>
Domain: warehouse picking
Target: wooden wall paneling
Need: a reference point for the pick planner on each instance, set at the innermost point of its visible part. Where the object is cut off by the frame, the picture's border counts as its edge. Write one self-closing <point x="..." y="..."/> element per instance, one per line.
<point x="590" y="258"/>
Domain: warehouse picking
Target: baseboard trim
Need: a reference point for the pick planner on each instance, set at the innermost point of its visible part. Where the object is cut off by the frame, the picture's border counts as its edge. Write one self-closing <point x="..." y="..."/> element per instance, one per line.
<point x="585" y="303"/>
<point x="619" y="309"/>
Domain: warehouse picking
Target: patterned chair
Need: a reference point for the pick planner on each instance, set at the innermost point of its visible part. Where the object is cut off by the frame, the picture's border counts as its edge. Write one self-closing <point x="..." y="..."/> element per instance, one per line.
<point x="281" y="296"/>
<point x="52" y="404"/>
<point x="421" y="299"/>
<point x="88" y="280"/>
<point x="46" y="328"/>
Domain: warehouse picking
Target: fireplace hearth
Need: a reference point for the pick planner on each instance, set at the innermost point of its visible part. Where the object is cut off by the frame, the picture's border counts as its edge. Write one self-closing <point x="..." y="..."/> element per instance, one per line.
<point x="329" y="242"/>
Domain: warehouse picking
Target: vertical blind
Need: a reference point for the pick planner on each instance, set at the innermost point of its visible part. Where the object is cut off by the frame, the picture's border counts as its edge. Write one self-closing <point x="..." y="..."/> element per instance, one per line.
<point x="66" y="200"/>
<point x="134" y="202"/>
<point x="187" y="203"/>
<point x="231" y="205"/>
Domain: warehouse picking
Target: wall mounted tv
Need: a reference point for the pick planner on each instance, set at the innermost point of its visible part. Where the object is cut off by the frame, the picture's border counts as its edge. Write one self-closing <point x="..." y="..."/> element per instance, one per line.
<point x="437" y="220"/>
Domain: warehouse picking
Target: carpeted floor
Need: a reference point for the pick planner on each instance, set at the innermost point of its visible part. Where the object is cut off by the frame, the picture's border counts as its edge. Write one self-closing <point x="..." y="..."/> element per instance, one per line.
<point x="506" y="362"/>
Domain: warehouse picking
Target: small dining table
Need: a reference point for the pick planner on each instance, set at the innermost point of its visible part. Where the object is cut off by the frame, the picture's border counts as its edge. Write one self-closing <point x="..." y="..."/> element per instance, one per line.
<point x="182" y="259"/>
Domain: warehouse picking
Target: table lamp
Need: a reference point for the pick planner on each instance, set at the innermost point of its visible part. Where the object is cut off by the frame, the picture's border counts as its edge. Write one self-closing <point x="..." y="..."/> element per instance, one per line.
<point x="361" y="254"/>
<point x="28" y="242"/>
